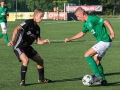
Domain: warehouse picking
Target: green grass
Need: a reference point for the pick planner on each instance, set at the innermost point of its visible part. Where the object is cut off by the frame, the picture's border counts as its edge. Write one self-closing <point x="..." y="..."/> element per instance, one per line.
<point x="64" y="62"/>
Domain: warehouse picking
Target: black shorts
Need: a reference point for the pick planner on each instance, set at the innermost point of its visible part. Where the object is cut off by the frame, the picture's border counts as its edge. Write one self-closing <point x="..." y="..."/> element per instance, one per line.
<point x="29" y="51"/>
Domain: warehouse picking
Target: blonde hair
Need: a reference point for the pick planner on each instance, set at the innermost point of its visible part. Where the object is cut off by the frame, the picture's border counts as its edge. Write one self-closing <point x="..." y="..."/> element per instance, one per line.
<point x="2" y="1"/>
<point x="38" y="10"/>
<point x="79" y="9"/>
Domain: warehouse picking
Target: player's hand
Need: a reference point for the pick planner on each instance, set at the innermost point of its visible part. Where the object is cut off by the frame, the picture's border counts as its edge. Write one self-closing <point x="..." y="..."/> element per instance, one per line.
<point x="112" y="36"/>
<point x="46" y="41"/>
<point x="10" y="43"/>
<point x="67" y="40"/>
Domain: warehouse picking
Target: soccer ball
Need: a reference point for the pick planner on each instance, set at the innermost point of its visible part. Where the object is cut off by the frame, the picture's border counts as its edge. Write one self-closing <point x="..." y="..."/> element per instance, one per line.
<point x="87" y="80"/>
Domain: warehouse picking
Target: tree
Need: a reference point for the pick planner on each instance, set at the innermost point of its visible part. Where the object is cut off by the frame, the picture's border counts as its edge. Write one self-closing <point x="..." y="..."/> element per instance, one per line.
<point x="107" y="6"/>
<point x="11" y="4"/>
<point x="85" y="2"/>
<point x="48" y="5"/>
<point x="45" y="5"/>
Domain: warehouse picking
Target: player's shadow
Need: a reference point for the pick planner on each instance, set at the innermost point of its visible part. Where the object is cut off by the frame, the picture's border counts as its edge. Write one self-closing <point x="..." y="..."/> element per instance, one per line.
<point x="113" y="83"/>
<point x="109" y="84"/>
<point x="115" y="73"/>
<point x="65" y="80"/>
<point x="80" y="78"/>
<point x="107" y="74"/>
<point x="31" y="84"/>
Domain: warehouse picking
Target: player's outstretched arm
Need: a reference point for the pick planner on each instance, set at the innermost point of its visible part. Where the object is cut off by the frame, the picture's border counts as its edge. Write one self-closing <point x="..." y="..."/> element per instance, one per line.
<point x="112" y="33"/>
<point x="14" y="35"/>
<point x="79" y="35"/>
<point x="39" y="41"/>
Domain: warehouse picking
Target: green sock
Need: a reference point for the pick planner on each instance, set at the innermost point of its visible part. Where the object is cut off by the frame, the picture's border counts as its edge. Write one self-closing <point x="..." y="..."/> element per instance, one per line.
<point x="1" y="35"/>
<point x="6" y="38"/>
<point x="100" y="68"/>
<point x="93" y="65"/>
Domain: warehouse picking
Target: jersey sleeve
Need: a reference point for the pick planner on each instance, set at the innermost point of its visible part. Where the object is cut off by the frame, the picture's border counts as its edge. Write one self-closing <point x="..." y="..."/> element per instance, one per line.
<point x="84" y="29"/>
<point x="97" y="20"/>
<point x="24" y="25"/>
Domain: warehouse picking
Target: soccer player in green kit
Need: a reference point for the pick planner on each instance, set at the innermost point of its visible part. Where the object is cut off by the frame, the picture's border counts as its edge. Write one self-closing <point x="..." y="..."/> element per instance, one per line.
<point x="93" y="56"/>
<point x="3" y="20"/>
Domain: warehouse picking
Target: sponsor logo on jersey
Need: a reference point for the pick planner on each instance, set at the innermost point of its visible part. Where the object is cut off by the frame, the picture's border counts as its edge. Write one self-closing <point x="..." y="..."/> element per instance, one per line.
<point x="92" y="31"/>
<point x="3" y="13"/>
<point x="90" y="24"/>
<point x="30" y="34"/>
<point x="22" y="24"/>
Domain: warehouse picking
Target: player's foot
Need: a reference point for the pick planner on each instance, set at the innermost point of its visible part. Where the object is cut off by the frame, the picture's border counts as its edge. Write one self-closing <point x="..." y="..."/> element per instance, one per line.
<point x="22" y="83"/>
<point x="45" y="81"/>
<point x="97" y="83"/>
<point x="104" y="82"/>
<point x="96" y="79"/>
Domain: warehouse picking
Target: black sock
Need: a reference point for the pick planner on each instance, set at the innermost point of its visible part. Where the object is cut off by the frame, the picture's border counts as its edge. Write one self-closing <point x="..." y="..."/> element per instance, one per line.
<point x="23" y="73"/>
<point x="41" y="74"/>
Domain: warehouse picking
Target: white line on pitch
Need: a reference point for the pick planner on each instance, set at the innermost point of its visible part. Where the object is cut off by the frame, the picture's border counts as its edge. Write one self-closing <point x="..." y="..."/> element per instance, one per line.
<point x="77" y="41"/>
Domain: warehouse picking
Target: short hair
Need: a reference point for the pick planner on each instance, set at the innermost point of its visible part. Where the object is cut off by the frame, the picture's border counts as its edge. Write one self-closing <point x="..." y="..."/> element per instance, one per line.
<point x="79" y="9"/>
<point x="2" y="0"/>
<point x="38" y="10"/>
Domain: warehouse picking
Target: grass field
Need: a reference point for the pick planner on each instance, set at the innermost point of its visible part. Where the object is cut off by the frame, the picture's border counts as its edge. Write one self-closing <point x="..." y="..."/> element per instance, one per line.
<point x="64" y="62"/>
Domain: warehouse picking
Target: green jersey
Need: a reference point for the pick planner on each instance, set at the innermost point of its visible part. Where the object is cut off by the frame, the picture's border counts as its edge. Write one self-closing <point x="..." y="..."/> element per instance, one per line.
<point x="96" y="26"/>
<point x="3" y="14"/>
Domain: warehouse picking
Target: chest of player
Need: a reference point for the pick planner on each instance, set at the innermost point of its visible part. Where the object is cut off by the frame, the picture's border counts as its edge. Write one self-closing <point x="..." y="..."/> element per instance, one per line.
<point x="32" y="33"/>
<point x="91" y="27"/>
<point x="3" y="11"/>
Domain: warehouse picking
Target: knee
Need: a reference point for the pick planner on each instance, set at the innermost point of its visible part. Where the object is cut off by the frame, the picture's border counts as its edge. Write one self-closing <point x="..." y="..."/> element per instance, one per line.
<point x="97" y="62"/>
<point x="25" y="62"/>
<point x="4" y="32"/>
<point x="86" y="54"/>
<point x="40" y="62"/>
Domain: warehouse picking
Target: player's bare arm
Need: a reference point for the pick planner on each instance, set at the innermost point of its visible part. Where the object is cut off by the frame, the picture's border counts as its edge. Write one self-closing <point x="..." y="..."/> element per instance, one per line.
<point x="79" y="35"/>
<point x="112" y="34"/>
<point x="39" y="41"/>
<point x="14" y="35"/>
<point x="7" y="17"/>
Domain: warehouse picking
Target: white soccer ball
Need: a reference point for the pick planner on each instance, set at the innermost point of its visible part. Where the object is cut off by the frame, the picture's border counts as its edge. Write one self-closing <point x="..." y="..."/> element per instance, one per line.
<point x="87" y="80"/>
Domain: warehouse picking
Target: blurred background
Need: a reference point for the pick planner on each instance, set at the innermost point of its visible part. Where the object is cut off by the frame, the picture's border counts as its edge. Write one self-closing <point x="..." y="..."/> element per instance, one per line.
<point x="107" y="7"/>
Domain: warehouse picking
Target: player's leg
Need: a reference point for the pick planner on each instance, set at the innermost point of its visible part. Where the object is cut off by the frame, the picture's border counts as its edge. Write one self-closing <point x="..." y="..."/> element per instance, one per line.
<point x="40" y="68"/>
<point x="101" y="49"/>
<point x="101" y="70"/>
<point x="25" y="62"/>
<point x="88" y="55"/>
<point x="22" y="57"/>
<point x="32" y="54"/>
<point x="4" y="31"/>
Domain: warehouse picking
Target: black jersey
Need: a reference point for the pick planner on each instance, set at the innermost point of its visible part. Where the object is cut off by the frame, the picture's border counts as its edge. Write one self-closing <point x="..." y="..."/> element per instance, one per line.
<point x="28" y="34"/>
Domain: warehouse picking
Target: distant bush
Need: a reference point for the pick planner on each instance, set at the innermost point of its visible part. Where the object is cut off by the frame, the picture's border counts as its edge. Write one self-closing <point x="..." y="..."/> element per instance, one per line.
<point x="110" y="16"/>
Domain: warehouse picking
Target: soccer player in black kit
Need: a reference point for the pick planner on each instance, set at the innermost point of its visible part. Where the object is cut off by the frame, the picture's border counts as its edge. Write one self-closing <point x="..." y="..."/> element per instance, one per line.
<point x="23" y="36"/>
